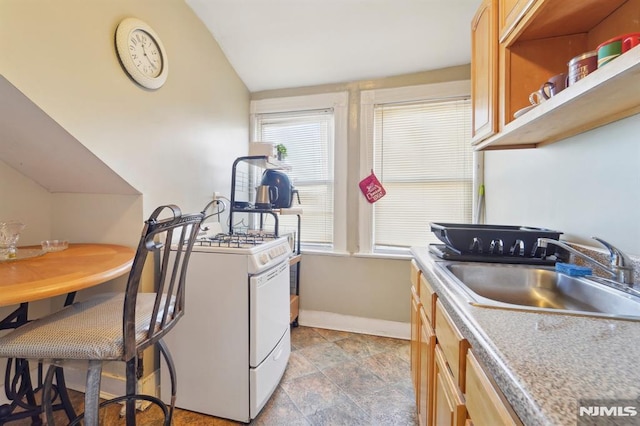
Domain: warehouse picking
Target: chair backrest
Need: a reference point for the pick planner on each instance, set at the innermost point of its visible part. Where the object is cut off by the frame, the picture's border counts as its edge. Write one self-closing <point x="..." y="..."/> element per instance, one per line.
<point x="167" y="243"/>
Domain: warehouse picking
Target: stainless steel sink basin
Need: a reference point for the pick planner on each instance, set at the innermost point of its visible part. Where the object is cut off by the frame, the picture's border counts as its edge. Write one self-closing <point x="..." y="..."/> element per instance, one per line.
<point x="540" y="289"/>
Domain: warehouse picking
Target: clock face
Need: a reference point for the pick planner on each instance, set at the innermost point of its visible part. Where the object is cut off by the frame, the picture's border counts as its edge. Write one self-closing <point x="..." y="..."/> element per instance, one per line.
<point x="145" y="53"/>
<point x="141" y="53"/>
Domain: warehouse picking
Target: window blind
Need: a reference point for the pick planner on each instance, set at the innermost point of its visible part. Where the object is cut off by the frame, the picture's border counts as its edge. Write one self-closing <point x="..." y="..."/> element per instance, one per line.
<point x="423" y="157"/>
<point x="308" y="136"/>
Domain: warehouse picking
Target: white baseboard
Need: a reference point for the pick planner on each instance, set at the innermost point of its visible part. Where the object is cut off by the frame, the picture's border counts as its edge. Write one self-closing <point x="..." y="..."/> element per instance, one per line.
<point x="376" y="327"/>
<point x="112" y="386"/>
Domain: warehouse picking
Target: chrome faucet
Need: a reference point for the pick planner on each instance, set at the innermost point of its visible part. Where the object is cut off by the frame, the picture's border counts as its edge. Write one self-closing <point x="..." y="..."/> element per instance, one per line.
<point x="620" y="267"/>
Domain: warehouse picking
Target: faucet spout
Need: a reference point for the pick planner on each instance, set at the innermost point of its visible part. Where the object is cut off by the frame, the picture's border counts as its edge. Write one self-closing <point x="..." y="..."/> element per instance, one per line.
<point x="620" y="267"/>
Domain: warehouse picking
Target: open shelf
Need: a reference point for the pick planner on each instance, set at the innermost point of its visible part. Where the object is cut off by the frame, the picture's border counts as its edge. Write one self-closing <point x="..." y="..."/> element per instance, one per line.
<point x="606" y="95"/>
<point x="265" y="162"/>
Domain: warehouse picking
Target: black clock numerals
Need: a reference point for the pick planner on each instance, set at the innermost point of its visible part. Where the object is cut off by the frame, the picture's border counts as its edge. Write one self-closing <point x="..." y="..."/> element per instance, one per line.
<point x="144" y="53"/>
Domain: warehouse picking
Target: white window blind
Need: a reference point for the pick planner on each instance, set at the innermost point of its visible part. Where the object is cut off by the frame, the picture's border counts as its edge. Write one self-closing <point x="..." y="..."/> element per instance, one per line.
<point x="308" y="136"/>
<point x="423" y="157"/>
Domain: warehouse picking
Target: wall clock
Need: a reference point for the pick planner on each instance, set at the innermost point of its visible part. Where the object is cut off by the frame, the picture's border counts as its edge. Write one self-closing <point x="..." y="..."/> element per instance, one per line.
<point x="141" y="53"/>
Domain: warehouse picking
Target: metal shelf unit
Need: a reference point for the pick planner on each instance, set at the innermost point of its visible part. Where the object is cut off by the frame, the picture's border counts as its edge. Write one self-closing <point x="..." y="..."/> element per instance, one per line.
<point x="266" y="162"/>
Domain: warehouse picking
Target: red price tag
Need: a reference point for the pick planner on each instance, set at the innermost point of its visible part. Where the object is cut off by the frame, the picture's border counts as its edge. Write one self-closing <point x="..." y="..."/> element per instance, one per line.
<point x="372" y="188"/>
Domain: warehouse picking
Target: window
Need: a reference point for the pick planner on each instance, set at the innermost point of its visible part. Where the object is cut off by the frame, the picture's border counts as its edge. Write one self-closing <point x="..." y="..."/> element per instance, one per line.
<point x="418" y="142"/>
<point x="308" y="136"/>
<point x="313" y="128"/>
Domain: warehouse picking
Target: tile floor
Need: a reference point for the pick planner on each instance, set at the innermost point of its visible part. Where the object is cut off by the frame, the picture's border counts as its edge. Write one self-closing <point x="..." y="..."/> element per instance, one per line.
<point x="333" y="378"/>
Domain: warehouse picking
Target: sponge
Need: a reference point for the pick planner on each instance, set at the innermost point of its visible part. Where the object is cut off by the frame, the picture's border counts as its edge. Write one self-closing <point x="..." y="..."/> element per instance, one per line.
<point x="573" y="270"/>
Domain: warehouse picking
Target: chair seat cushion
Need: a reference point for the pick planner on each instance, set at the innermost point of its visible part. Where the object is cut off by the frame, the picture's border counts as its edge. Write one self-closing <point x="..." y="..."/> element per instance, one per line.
<point x="85" y="330"/>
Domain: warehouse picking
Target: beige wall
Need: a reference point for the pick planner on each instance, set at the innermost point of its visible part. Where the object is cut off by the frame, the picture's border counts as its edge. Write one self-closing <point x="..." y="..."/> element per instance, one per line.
<point x="175" y="144"/>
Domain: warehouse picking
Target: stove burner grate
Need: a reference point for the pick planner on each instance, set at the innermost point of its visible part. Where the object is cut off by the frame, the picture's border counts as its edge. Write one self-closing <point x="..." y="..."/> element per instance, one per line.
<point x="236" y="240"/>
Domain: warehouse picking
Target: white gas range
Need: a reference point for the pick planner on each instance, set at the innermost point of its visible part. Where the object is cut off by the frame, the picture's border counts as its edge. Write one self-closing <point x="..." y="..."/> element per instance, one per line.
<point x="233" y="343"/>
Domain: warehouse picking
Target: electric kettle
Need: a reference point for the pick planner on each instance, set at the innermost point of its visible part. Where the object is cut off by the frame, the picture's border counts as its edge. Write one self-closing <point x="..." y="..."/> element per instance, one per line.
<point x="266" y="196"/>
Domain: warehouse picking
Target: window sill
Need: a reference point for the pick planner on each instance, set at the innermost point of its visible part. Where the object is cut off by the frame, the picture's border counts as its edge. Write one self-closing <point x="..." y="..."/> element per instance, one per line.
<point x="397" y="256"/>
<point x="327" y="252"/>
<point x="330" y="252"/>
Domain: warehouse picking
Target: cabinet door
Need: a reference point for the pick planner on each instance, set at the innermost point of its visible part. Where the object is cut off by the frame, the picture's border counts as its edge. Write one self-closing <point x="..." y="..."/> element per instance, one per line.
<point x="454" y="345"/>
<point x="428" y="299"/>
<point x="448" y="402"/>
<point x="484" y="71"/>
<point x="511" y="13"/>
<point x="415" y="276"/>
<point x="486" y="404"/>
<point x="427" y="347"/>
<point x="415" y="343"/>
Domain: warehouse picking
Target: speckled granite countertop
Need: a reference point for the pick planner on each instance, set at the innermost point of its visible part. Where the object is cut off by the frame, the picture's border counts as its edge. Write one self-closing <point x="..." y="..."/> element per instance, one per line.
<point x="544" y="363"/>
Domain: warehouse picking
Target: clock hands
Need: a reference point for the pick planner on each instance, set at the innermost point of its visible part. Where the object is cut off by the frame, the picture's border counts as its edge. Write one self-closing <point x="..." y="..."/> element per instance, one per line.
<point x="144" y="52"/>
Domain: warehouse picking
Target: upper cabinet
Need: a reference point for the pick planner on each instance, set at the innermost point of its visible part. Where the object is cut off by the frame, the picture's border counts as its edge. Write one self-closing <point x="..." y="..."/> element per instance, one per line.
<point x="511" y="13"/>
<point x="484" y="71"/>
<point x="537" y="39"/>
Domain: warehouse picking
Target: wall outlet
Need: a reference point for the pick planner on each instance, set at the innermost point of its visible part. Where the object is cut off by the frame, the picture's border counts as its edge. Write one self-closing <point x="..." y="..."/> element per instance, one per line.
<point x="217" y="195"/>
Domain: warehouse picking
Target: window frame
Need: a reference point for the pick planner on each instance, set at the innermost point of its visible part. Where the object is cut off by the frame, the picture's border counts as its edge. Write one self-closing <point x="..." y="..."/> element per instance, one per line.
<point x="339" y="102"/>
<point x="368" y="100"/>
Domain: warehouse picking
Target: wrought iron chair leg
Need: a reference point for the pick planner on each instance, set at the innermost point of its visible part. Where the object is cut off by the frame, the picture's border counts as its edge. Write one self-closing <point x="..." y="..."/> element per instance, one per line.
<point x="64" y="394"/>
<point x="132" y="378"/>
<point x="47" y="402"/>
<point x="164" y="349"/>
<point x="92" y="394"/>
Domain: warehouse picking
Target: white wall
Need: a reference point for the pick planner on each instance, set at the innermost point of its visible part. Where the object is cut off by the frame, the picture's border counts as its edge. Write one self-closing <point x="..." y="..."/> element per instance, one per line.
<point x="587" y="185"/>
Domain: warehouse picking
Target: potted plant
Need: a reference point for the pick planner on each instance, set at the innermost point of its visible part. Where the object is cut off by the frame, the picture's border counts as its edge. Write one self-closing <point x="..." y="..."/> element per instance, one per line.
<point x="282" y="151"/>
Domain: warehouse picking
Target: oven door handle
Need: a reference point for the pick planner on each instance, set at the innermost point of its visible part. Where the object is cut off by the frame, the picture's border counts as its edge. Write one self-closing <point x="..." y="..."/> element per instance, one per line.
<point x="279" y="354"/>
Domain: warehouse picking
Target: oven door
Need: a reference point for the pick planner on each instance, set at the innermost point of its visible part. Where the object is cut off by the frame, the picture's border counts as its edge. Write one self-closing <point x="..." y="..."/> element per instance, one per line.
<point x="268" y="311"/>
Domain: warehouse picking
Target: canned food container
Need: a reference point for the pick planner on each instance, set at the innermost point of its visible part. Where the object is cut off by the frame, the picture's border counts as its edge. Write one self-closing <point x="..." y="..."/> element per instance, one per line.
<point x="611" y="49"/>
<point x="582" y="65"/>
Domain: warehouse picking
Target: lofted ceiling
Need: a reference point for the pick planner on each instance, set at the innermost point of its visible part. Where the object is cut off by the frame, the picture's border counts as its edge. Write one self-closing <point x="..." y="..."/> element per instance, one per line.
<point x="276" y="44"/>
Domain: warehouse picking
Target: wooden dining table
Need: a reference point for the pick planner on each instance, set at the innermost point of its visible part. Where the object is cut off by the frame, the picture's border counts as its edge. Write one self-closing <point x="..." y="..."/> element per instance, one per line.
<point x="36" y="275"/>
<point x="56" y="273"/>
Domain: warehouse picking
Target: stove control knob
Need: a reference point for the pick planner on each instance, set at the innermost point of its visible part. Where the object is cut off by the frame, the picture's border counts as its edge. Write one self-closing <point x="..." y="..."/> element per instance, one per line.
<point x="264" y="258"/>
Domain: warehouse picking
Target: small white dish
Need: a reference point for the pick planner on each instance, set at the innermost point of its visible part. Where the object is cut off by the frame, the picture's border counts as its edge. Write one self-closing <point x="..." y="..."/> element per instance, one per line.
<point x="523" y="111"/>
<point x="54" y="245"/>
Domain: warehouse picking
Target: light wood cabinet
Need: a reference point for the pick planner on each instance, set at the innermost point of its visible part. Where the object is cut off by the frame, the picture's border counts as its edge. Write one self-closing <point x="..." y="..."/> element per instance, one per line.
<point x="414" y="276"/>
<point x="415" y="343"/>
<point x="428" y="299"/>
<point x="453" y="344"/>
<point x="484" y="71"/>
<point x="449" y="408"/>
<point x="427" y="347"/>
<point x="423" y="341"/>
<point x="511" y="12"/>
<point x="537" y="40"/>
<point x="451" y="387"/>
<point x="485" y="404"/>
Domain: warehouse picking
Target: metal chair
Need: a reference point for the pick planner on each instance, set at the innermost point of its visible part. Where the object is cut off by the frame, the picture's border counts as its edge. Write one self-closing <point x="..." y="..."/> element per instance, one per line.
<point x="117" y="326"/>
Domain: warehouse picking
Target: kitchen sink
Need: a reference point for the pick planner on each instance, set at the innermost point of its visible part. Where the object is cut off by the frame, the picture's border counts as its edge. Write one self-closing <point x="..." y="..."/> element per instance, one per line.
<point x="540" y="289"/>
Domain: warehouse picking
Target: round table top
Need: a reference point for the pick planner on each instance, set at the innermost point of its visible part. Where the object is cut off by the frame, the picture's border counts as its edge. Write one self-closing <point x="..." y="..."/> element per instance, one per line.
<point x="58" y="273"/>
